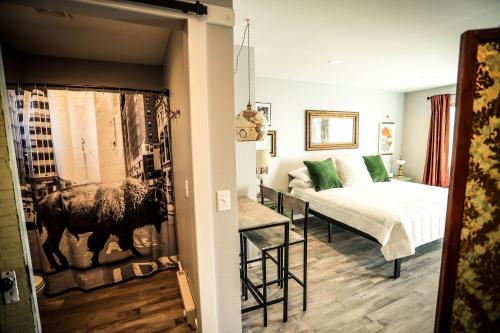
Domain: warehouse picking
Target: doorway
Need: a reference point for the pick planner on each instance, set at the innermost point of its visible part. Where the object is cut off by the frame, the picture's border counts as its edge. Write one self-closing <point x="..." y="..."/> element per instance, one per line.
<point x="87" y="96"/>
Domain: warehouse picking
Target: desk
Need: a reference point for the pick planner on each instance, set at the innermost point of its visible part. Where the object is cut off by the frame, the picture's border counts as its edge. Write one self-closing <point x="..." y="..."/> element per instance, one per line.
<point x="253" y="216"/>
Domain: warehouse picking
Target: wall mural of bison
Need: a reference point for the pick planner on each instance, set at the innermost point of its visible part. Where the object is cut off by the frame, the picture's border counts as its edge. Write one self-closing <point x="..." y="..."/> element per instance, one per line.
<point x="103" y="209"/>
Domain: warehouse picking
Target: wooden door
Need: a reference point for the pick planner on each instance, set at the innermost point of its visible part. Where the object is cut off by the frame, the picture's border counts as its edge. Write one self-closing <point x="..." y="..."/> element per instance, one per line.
<point x="469" y="286"/>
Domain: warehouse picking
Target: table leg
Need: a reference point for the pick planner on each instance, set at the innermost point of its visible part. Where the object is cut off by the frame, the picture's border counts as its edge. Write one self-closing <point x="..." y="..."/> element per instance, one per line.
<point x="264" y="287"/>
<point x="245" y="266"/>
<point x="279" y="271"/>
<point x="285" y="274"/>
<point x="241" y="265"/>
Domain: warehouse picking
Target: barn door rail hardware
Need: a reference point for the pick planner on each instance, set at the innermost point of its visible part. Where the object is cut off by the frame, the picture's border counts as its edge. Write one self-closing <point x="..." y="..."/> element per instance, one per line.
<point x="196" y="8"/>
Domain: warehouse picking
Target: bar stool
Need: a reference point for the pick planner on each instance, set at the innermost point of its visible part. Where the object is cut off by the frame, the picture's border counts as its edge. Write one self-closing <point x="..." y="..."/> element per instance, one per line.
<point x="268" y="239"/>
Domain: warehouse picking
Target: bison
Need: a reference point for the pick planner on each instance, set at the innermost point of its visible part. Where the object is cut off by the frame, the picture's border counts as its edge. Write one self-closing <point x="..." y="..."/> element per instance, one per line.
<point x="104" y="210"/>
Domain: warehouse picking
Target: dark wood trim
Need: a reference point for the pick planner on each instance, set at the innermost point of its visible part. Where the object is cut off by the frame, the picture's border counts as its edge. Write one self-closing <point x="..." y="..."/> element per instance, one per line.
<point x="272" y="134"/>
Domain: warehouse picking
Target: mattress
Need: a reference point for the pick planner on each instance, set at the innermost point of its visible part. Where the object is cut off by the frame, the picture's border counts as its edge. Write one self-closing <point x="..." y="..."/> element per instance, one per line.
<point x="400" y="215"/>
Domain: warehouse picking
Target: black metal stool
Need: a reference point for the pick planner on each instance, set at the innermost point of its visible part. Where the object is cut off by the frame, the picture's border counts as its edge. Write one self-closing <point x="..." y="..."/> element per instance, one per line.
<point x="267" y="240"/>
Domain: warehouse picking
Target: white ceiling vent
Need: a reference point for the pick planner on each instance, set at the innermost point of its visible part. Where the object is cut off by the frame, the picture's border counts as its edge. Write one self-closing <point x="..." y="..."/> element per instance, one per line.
<point x="55" y="13"/>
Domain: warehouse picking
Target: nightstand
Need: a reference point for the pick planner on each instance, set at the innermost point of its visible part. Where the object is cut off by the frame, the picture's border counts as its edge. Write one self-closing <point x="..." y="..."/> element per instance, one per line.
<point x="404" y="178"/>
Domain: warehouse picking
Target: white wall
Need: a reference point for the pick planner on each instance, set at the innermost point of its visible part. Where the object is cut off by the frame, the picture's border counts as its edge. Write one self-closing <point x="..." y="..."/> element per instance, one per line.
<point x="223" y="171"/>
<point x="289" y="101"/>
<point x="245" y="151"/>
<point x="176" y="80"/>
<point x="417" y="115"/>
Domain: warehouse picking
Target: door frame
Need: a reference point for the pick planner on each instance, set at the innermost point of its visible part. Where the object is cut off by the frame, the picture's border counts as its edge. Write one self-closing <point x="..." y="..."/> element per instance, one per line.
<point x="196" y="29"/>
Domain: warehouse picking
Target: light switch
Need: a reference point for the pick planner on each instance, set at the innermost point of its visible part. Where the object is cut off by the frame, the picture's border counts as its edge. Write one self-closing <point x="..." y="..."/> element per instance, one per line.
<point x="223" y="200"/>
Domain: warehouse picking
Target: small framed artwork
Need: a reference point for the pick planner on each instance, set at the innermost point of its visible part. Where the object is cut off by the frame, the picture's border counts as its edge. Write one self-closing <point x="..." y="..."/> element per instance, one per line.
<point x="271" y="142"/>
<point x="386" y="138"/>
<point x="265" y="108"/>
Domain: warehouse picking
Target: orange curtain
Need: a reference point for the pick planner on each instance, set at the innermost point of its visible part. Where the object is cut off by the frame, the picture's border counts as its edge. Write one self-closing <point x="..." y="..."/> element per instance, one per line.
<point x="436" y="162"/>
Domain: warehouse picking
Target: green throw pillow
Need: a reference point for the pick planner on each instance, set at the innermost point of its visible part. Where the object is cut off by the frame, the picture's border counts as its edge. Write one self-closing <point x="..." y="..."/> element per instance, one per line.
<point x="376" y="168"/>
<point x="323" y="174"/>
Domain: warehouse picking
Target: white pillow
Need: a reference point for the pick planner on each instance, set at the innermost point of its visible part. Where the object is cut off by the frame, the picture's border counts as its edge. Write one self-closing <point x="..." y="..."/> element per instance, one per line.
<point x="301" y="173"/>
<point x="299" y="183"/>
<point x="352" y="170"/>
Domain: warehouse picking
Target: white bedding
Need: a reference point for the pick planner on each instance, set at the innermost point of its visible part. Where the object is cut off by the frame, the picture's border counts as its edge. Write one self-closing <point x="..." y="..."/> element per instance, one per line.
<point x="400" y="215"/>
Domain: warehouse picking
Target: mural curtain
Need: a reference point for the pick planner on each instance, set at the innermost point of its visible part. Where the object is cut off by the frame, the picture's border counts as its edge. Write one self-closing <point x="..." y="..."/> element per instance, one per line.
<point x="96" y="185"/>
<point x="436" y="170"/>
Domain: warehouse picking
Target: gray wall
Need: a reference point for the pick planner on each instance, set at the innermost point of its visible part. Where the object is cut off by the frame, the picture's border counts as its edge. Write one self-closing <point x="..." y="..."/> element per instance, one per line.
<point x="417" y="115"/>
<point x="289" y="101"/>
<point x="54" y="70"/>
<point x="176" y="79"/>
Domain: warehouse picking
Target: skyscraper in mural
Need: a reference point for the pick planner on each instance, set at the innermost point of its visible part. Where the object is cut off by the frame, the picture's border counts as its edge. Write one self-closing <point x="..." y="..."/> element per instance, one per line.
<point x="142" y="149"/>
<point x="32" y="134"/>
<point x="162" y="106"/>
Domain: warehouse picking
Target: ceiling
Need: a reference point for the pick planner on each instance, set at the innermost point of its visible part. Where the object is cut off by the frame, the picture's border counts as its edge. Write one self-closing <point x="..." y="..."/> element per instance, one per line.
<point x="399" y="45"/>
<point x="67" y="35"/>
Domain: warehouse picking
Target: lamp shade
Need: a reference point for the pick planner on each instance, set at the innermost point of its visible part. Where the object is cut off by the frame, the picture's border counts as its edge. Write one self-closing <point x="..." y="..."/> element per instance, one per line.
<point x="262" y="161"/>
<point x="251" y="125"/>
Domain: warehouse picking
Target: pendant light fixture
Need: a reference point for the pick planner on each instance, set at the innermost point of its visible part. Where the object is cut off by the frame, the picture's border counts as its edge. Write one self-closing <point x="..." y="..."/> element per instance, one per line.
<point x="250" y="124"/>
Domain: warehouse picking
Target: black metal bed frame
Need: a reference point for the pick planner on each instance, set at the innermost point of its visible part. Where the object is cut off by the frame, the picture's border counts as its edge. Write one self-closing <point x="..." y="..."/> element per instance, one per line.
<point x="330" y="221"/>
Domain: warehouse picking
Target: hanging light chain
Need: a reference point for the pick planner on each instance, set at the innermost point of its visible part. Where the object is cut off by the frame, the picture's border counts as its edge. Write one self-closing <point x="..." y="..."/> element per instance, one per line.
<point x="241" y="49"/>
<point x="248" y="50"/>
<point x="246" y="35"/>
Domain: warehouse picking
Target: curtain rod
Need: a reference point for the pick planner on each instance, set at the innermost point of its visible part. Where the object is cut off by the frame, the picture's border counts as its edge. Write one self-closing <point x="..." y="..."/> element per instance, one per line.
<point x="85" y="87"/>
<point x="429" y="97"/>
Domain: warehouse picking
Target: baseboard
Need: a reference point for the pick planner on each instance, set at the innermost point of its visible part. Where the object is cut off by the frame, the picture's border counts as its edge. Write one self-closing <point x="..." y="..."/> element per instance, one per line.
<point x="187" y="298"/>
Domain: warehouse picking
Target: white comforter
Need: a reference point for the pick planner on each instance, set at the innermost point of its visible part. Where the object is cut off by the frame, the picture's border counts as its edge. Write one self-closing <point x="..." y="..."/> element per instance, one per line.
<point x="400" y="215"/>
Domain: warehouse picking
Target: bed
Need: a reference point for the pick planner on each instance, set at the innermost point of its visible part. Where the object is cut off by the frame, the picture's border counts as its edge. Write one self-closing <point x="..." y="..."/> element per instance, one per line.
<point x="398" y="215"/>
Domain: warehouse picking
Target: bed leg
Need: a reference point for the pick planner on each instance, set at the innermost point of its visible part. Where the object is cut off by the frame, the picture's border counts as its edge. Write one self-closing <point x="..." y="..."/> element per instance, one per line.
<point x="397" y="268"/>
<point x="329" y="232"/>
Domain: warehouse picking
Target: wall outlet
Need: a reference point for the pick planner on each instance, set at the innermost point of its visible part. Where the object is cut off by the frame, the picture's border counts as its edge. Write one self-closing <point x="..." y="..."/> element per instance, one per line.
<point x="223" y="200"/>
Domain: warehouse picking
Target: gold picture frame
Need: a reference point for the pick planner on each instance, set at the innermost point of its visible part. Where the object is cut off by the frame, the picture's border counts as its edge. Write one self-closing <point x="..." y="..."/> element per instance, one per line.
<point x="327" y="130"/>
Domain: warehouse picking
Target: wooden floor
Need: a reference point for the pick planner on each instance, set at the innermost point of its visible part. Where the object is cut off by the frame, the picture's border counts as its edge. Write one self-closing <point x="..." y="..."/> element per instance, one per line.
<point x="151" y="304"/>
<point x="351" y="289"/>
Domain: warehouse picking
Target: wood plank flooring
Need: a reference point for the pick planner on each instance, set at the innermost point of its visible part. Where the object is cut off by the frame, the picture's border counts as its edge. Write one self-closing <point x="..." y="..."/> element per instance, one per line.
<point x="151" y="304"/>
<point x="351" y="289"/>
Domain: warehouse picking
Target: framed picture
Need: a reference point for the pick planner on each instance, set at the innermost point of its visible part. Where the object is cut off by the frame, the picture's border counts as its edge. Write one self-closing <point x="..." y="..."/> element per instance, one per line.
<point x="271" y="142"/>
<point x="386" y="138"/>
<point x="265" y="108"/>
<point x="331" y="130"/>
